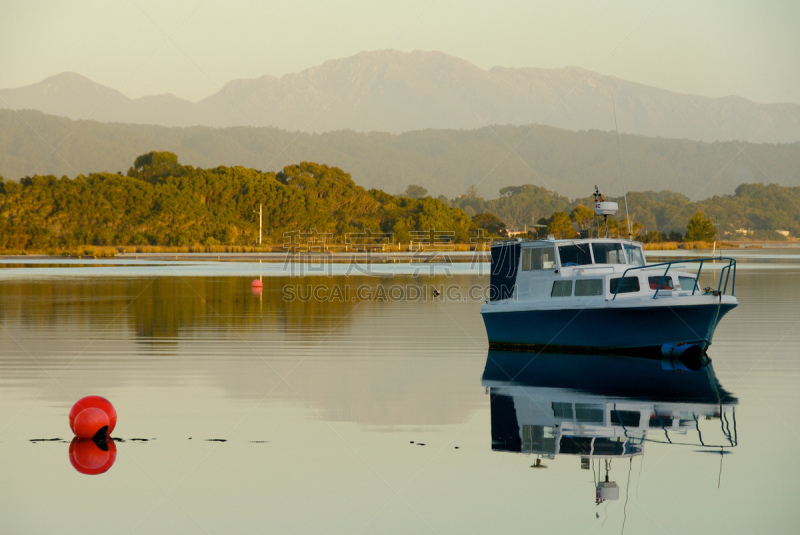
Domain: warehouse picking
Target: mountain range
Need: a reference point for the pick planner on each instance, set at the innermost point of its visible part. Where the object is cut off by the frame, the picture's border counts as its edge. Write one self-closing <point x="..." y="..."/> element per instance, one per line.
<point x="445" y="162"/>
<point x="394" y="92"/>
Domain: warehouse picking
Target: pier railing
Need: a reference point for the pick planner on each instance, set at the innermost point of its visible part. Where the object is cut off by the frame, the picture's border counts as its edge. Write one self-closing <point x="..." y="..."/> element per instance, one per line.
<point x="727" y="274"/>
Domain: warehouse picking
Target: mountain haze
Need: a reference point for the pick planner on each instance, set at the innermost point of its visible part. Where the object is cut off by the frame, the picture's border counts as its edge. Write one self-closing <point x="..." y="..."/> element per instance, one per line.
<point x="392" y="91"/>
<point x="74" y="96"/>
<point x="443" y="161"/>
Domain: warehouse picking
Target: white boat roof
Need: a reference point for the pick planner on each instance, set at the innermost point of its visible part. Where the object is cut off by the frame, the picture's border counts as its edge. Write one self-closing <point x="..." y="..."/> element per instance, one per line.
<point x="562" y="241"/>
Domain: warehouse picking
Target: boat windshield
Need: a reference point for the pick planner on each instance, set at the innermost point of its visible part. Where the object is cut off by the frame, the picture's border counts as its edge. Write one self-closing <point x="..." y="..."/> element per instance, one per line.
<point x="608" y="253"/>
<point x="634" y="254"/>
<point x="579" y="254"/>
<point x="574" y="254"/>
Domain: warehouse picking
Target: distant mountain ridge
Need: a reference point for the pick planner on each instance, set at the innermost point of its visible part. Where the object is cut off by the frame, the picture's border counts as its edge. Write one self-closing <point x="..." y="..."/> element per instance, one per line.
<point x="443" y="161"/>
<point x="392" y="91"/>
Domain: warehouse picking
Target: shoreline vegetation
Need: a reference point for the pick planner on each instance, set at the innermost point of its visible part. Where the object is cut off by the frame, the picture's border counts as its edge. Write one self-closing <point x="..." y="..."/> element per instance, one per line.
<point x="207" y="252"/>
<point x="161" y="206"/>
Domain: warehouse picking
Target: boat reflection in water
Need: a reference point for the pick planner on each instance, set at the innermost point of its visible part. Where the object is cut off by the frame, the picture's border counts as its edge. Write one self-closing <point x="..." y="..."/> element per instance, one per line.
<point x="601" y="408"/>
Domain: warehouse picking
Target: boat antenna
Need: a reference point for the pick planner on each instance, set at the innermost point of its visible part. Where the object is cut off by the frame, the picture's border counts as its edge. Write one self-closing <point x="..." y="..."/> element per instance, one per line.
<point x="619" y="152"/>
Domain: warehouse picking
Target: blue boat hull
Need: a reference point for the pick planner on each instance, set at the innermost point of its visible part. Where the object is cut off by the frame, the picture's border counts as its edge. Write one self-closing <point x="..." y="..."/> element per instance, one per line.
<point x="602" y="330"/>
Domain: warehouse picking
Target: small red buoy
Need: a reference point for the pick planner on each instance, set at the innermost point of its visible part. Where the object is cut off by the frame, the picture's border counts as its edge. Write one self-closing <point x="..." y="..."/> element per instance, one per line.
<point x="90" y="423"/>
<point x="257" y="284"/>
<point x="93" y="402"/>
<point x="90" y="457"/>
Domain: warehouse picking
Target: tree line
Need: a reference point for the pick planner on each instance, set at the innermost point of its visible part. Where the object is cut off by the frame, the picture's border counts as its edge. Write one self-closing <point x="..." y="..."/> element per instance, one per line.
<point x="444" y="161"/>
<point x="162" y="202"/>
<point x="761" y="211"/>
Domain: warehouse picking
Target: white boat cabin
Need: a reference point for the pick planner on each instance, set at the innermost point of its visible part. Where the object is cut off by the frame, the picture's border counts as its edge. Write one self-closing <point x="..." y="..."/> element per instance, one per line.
<point x="589" y="268"/>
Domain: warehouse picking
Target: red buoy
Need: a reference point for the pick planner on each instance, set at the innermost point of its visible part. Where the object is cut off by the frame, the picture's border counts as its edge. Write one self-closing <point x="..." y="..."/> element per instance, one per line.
<point x="93" y="402"/>
<point x="257" y="284"/>
<point x="90" y="457"/>
<point x="91" y="423"/>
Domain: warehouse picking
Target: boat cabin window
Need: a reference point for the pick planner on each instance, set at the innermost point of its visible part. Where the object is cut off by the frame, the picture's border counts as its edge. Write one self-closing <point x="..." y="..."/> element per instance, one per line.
<point x="538" y="258"/>
<point x="634" y="254"/>
<point x="539" y="438"/>
<point x="628" y="285"/>
<point x="526" y="259"/>
<point x="589" y="413"/>
<point x="608" y="253"/>
<point x="589" y="287"/>
<point x="576" y="445"/>
<point x="608" y="446"/>
<point x="658" y="420"/>
<point x="574" y="255"/>
<point x="666" y="284"/>
<point x="625" y="418"/>
<point x="562" y="410"/>
<point x="687" y="283"/>
<point x="561" y="289"/>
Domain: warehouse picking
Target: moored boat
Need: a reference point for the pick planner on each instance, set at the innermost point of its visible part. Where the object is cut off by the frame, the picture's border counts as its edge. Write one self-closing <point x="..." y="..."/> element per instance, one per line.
<point x="600" y="295"/>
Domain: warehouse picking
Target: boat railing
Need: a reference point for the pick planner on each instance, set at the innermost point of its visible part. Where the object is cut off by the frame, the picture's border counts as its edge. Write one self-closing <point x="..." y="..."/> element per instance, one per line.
<point x="727" y="274"/>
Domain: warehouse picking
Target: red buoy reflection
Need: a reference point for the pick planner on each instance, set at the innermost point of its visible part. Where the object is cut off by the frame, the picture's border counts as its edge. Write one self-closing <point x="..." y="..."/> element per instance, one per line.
<point x="92" y="457"/>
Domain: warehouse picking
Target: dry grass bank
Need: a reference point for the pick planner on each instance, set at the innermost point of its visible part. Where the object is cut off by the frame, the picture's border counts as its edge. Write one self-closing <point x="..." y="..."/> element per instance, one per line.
<point x="674" y="246"/>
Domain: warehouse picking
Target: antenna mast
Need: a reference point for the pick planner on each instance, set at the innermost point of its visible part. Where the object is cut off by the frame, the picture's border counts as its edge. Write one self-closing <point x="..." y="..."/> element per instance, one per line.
<point x="619" y="152"/>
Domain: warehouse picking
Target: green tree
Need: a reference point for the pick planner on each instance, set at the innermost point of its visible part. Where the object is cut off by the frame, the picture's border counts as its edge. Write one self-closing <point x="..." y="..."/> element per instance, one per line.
<point x="653" y="236"/>
<point x="560" y="226"/>
<point x="635" y="230"/>
<point x="582" y="216"/>
<point x="415" y="192"/>
<point x="153" y="164"/>
<point x="523" y="205"/>
<point x="700" y="228"/>
<point x="489" y="223"/>
<point x="675" y="236"/>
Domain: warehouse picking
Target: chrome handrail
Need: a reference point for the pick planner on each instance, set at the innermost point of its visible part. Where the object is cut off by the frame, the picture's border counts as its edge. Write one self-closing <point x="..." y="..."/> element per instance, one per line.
<point x="724" y="273"/>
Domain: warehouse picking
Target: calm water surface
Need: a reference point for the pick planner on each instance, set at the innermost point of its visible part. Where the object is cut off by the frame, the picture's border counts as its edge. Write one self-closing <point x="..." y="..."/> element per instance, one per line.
<point x="359" y="403"/>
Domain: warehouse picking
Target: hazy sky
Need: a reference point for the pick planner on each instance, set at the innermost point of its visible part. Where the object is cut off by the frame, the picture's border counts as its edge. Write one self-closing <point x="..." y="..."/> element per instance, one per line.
<point x="192" y="48"/>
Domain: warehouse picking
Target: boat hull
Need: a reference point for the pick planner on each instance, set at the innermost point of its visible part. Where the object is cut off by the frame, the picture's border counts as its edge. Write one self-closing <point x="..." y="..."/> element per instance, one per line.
<point x="604" y="330"/>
